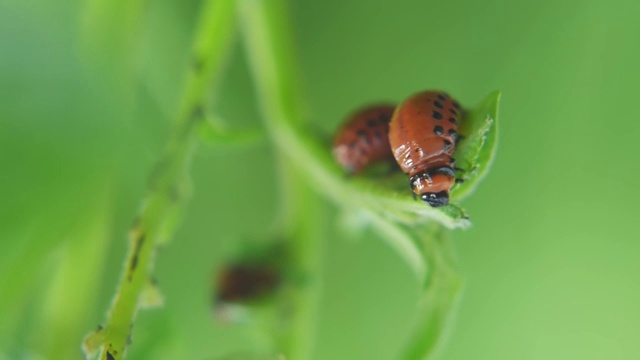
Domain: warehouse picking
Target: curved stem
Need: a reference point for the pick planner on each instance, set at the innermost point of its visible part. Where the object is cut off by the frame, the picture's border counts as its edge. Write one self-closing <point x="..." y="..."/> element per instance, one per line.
<point x="268" y="41"/>
<point x="267" y="38"/>
<point x="399" y="239"/>
<point x="168" y="186"/>
<point x="438" y="301"/>
<point x="306" y="236"/>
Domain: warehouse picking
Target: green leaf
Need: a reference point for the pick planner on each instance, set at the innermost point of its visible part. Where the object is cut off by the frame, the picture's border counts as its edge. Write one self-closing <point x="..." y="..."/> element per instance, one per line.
<point x="476" y="151"/>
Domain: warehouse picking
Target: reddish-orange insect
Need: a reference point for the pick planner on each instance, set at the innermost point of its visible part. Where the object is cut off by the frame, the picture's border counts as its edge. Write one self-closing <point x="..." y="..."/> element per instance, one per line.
<point x="423" y="136"/>
<point x="245" y="282"/>
<point x="363" y="139"/>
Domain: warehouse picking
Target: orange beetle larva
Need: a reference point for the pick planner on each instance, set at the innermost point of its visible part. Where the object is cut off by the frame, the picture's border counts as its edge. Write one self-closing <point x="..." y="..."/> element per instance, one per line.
<point x="423" y="136"/>
<point x="363" y="139"/>
<point x="245" y="282"/>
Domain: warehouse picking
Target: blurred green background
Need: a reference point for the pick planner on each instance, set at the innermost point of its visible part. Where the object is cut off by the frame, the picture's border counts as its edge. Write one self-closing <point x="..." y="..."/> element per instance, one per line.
<point x="551" y="265"/>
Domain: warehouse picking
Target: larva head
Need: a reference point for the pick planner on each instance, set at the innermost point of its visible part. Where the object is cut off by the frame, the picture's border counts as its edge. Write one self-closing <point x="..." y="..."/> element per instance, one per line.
<point x="433" y="185"/>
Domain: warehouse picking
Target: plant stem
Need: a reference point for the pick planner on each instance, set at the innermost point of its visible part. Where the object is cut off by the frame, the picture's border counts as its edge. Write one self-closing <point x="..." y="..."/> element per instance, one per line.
<point x="168" y="187"/>
<point x="268" y="41"/>
<point x="306" y="236"/>
<point x="267" y="37"/>
<point x="438" y="302"/>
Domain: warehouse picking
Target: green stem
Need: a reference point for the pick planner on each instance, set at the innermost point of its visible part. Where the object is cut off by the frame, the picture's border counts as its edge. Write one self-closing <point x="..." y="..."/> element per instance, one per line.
<point x="438" y="302"/>
<point x="402" y="242"/>
<point x="268" y="41"/>
<point x="267" y="37"/>
<point x="306" y="236"/>
<point x="168" y="188"/>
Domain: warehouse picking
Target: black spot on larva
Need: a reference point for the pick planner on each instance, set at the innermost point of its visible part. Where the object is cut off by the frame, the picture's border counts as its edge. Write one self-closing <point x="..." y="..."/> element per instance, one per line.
<point x="444" y="170"/>
<point x="436" y="115"/>
<point x="372" y="123"/>
<point x="453" y="112"/>
<point x="414" y="168"/>
<point x="441" y="97"/>
<point x="437" y="104"/>
<point x="377" y="135"/>
<point x="447" y="145"/>
<point x="363" y="151"/>
<point x="110" y="357"/>
<point x="453" y="133"/>
<point x="363" y="136"/>
<point x="384" y="118"/>
<point x="438" y="130"/>
<point x="453" y="121"/>
<point x="456" y="105"/>
<point x="414" y="179"/>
